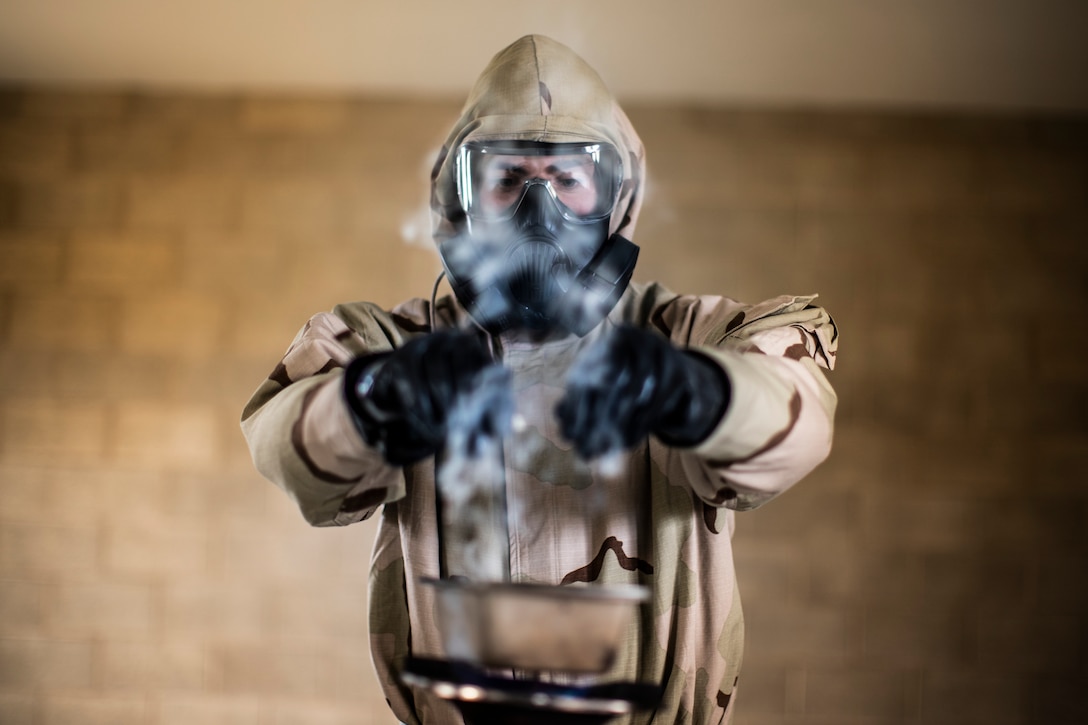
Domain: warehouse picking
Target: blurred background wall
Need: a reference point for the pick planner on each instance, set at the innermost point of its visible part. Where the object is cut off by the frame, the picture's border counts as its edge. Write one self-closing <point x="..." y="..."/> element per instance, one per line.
<point x="161" y="246"/>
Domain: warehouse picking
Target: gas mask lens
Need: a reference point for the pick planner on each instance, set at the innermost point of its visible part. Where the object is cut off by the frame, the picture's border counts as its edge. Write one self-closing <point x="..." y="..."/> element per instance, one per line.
<point x="493" y="178"/>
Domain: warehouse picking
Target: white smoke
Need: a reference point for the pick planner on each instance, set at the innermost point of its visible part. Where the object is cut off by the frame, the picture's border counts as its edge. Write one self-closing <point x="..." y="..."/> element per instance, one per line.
<point x="529" y="449"/>
<point x="488" y="263"/>
<point x="417" y="223"/>
<point x="594" y="370"/>
<point x="415" y="227"/>
<point x="471" y="478"/>
<point x="611" y="464"/>
<point x="485" y="257"/>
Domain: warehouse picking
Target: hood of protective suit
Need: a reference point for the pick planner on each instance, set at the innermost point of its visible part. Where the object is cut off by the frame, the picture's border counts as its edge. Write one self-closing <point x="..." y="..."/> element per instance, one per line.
<point x="537" y="89"/>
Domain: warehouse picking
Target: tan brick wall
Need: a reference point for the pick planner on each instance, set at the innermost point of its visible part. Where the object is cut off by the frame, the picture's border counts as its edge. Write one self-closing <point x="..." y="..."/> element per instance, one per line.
<point x="159" y="252"/>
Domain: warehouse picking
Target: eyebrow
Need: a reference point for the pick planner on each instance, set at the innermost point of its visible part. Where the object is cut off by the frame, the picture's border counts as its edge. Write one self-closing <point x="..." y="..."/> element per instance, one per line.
<point x="560" y="166"/>
<point x="554" y="167"/>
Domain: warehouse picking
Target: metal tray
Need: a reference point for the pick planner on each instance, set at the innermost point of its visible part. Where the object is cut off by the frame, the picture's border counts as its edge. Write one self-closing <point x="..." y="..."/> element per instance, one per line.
<point x="575" y="629"/>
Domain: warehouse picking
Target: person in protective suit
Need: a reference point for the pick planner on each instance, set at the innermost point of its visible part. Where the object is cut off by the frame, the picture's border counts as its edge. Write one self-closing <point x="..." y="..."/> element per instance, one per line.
<point x="713" y="405"/>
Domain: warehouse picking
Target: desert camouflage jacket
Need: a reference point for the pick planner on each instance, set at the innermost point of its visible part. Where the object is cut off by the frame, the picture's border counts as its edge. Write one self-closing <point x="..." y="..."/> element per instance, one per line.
<point x="665" y="522"/>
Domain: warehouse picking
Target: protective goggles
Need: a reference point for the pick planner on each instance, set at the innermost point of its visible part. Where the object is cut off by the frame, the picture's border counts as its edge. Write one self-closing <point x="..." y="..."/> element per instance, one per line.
<point x="493" y="178"/>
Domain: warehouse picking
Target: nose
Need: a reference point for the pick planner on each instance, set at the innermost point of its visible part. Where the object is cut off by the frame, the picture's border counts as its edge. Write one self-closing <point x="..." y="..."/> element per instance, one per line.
<point x="537" y="207"/>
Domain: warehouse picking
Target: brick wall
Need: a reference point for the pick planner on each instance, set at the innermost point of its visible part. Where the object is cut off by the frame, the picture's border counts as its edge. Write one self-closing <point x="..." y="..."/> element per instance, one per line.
<point x="159" y="252"/>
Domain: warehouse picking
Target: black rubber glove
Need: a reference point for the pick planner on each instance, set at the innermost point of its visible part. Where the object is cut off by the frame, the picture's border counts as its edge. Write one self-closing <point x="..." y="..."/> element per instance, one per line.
<point x="400" y="400"/>
<point x="633" y="383"/>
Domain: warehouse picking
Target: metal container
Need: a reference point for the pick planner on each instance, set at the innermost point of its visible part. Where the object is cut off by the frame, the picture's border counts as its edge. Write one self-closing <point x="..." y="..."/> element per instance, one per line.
<point x="575" y="629"/>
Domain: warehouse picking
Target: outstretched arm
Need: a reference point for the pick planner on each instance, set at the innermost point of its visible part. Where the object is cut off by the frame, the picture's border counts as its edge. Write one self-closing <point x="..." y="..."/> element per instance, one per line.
<point x="737" y="392"/>
<point x="301" y="435"/>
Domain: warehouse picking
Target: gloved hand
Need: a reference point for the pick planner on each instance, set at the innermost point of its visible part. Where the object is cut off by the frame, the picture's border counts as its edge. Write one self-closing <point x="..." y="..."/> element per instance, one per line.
<point x="400" y="400"/>
<point x="633" y="383"/>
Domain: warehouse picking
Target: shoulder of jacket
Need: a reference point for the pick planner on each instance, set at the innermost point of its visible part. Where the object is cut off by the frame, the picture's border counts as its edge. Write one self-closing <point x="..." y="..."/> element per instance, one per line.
<point x="385" y="327"/>
<point x="788" y="311"/>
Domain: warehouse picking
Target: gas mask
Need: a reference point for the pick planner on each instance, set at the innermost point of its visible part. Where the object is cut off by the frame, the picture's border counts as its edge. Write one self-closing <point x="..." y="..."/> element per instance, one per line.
<point x="535" y="251"/>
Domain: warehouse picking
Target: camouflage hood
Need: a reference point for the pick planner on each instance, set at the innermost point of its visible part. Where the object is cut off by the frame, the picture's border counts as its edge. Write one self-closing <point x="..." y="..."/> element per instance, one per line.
<point x="539" y="90"/>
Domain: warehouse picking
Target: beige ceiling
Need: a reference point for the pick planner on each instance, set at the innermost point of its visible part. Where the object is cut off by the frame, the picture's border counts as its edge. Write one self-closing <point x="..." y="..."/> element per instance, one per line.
<point x="978" y="54"/>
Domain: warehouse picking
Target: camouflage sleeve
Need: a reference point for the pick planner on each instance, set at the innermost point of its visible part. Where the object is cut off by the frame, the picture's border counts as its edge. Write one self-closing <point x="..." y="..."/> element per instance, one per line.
<point x="301" y="435"/>
<point x="779" y="423"/>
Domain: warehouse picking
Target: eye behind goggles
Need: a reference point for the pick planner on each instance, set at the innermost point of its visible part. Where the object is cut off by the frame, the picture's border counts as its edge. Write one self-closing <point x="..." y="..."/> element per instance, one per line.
<point x="583" y="179"/>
